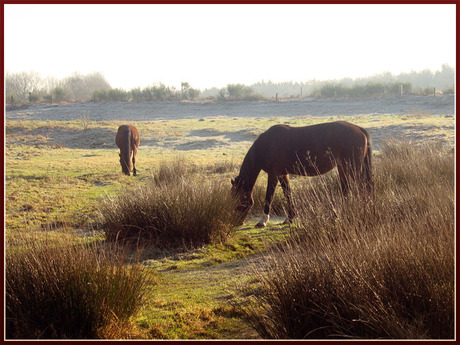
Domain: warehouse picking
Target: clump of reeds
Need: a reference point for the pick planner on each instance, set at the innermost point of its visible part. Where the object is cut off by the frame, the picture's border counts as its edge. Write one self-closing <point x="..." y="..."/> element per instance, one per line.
<point x="172" y="171"/>
<point x="367" y="267"/>
<point x="60" y="291"/>
<point x="176" y="210"/>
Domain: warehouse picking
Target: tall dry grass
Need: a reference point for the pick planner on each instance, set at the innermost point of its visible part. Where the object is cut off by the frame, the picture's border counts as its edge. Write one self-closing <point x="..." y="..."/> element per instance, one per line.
<point x="361" y="267"/>
<point x="60" y="291"/>
<point x="178" y="208"/>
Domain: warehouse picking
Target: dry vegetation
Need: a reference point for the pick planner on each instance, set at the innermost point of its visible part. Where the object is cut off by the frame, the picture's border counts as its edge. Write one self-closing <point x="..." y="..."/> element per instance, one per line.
<point x="363" y="268"/>
<point x="64" y="291"/>
<point x="347" y="268"/>
<point x="179" y="213"/>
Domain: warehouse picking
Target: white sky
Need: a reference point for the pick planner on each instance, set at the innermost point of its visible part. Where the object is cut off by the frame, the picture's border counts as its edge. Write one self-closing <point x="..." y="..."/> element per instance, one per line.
<point x="213" y="45"/>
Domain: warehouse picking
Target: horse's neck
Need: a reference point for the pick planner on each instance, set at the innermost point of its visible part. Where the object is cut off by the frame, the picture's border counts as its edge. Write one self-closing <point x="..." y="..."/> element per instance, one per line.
<point x="250" y="169"/>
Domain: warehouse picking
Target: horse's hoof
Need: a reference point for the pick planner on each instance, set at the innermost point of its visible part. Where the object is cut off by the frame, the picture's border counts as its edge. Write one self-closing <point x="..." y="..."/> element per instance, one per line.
<point x="263" y="221"/>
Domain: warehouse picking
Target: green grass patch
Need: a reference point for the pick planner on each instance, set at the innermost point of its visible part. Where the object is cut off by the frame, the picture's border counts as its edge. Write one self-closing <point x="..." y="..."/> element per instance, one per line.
<point x="57" y="175"/>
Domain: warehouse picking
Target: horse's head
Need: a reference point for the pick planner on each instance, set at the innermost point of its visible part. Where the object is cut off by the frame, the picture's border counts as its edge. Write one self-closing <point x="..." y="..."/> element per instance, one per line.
<point x="124" y="165"/>
<point x="243" y="194"/>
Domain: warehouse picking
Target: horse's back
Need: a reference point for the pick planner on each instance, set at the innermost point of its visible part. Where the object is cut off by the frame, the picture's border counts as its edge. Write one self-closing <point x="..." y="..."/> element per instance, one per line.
<point x="320" y="135"/>
<point x="282" y="147"/>
<point x="123" y="134"/>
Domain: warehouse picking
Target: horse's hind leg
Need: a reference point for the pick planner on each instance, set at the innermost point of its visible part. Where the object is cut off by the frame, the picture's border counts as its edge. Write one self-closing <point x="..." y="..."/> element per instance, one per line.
<point x="134" y="161"/>
<point x="349" y="174"/>
<point x="344" y="177"/>
<point x="284" y="181"/>
<point x="271" y="185"/>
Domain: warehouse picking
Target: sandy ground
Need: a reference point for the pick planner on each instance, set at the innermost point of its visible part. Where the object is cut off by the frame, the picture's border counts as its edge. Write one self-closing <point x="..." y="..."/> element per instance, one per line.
<point x="148" y="111"/>
<point x="416" y="110"/>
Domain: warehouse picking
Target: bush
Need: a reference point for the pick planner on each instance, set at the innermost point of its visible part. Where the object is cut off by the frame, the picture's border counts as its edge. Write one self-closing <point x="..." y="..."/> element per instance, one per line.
<point x="59" y="94"/>
<point x="370" y="89"/>
<point x="363" y="268"/>
<point x="240" y="92"/>
<point x="100" y="95"/>
<point x="59" y="291"/>
<point x="174" y="171"/>
<point x="117" y="95"/>
<point x="171" y="211"/>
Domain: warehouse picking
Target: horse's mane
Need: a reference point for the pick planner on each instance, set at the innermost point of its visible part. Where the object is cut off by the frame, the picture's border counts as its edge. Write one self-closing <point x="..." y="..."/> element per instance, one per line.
<point x="249" y="168"/>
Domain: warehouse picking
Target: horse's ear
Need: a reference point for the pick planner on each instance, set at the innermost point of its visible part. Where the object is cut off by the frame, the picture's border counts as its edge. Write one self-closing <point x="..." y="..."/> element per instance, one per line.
<point x="233" y="182"/>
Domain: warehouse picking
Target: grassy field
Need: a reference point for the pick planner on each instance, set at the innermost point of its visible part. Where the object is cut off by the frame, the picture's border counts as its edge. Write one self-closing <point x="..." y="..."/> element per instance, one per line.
<point x="57" y="175"/>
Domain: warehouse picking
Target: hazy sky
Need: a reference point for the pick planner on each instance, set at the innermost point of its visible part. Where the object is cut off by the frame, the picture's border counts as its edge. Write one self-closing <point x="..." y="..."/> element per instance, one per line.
<point x="213" y="45"/>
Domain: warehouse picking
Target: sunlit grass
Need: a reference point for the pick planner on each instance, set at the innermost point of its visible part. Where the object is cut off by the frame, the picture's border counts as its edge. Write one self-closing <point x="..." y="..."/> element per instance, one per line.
<point x="367" y="268"/>
<point x="57" y="174"/>
<point x="57" y="290"/>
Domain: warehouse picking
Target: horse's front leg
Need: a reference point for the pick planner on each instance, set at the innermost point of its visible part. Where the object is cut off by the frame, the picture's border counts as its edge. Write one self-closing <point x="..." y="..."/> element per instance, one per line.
<point x="284" y="181"/>
<point x="271" y="185"/>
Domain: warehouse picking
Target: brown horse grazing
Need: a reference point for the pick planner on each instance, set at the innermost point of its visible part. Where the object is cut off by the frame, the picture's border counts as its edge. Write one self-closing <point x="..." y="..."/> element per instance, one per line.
<point x="128" y="141"/>
<point x="308" y="151"/>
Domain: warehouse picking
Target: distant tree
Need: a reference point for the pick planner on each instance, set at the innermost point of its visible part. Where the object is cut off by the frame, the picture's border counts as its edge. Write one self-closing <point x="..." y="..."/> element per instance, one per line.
<point x="82" y="87"/>
<point x="187" y="92"/>
<point x="237" y="91"/>
<point x="75" y="87"/>
<point x="445" y="78"/>
<point x="136" y="94"/>
<point x="221" y="94"/>
<point x="96" y="81"/>
<point x="59" y="94"/>
<point x="18" y="85"/>
<point x="100" y="95"/>
<point x="164" y="93"/>
<point x="117" y="95"/>
<point x="193" y="93"/>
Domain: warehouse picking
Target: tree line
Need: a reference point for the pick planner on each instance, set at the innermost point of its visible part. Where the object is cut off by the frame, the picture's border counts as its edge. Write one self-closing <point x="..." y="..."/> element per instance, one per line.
<point x="418" y="83"/>
<point x="29" y="87"/>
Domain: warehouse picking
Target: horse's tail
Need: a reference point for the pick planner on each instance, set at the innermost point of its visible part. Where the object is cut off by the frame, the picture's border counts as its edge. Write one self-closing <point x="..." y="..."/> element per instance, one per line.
<point x="129" y="139"/>
<point x="367" y="171"/>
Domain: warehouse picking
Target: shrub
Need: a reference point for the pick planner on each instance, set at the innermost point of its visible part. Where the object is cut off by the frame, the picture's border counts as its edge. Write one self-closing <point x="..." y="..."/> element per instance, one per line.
<point x="118" y="95"/>
<point x="59" y="291"/>
<point x="100" y="95"/>
<point x="370" y="89"/>
<point x="240" y="92"/>
<point x="362" y="268"/>
<point x="59" y="94"/>
<point x="224" y="167"/>
<point x="176" y="213"/>
<point x="170" y="172"/>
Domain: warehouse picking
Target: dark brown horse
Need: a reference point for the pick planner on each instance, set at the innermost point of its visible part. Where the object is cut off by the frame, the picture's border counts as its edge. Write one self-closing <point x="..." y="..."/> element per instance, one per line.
<point x="128" y="141"/>
<point x="308" y="151"/>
